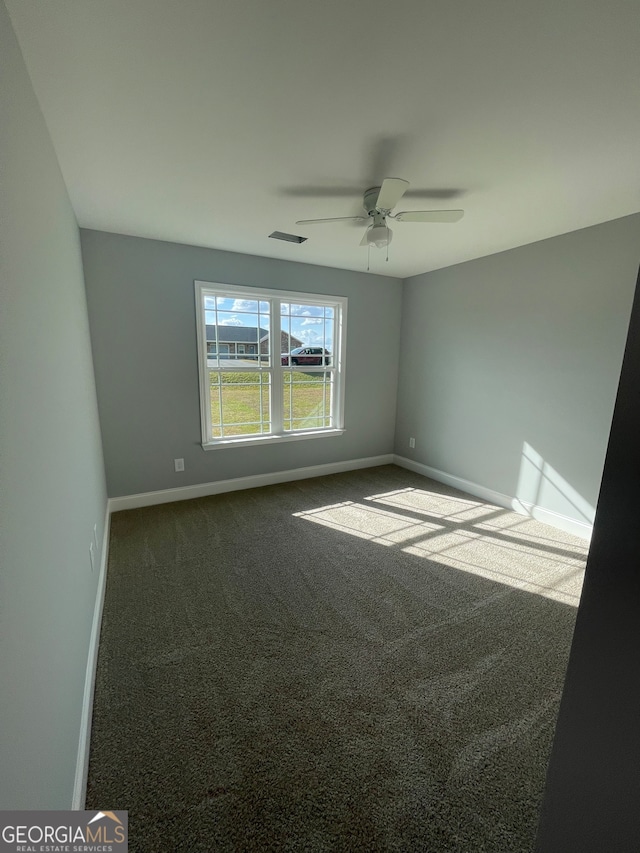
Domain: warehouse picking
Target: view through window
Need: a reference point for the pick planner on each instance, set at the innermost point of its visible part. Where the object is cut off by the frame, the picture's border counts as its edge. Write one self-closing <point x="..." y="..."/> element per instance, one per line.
<point x="271" y="363"/>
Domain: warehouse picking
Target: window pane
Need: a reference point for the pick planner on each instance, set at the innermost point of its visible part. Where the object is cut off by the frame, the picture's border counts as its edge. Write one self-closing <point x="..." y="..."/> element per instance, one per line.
<point x="224" y="303"/>
<point x="240" y="403"/>
<point x="307" y="333"/>
<point x="307" y="399"/>
<point x="238" y="337"/>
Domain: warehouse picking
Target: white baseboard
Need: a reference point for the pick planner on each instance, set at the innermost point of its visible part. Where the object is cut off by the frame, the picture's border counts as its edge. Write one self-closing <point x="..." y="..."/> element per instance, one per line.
<point x="82" y="763"/>
<point x="202" y="490"/>
<point x="563" y="522"/>
<point x="468" y="486"/>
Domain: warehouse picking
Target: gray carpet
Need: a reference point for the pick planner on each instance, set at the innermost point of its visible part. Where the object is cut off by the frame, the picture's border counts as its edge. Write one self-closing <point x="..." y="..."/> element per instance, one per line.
<point x="360" y="662"/>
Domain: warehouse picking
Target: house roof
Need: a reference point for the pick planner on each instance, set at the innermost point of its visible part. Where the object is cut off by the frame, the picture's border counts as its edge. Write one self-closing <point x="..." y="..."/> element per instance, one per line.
<point x="236" y="334"/>
<point x="215" y="124"/>
<point x="243" y="335"/>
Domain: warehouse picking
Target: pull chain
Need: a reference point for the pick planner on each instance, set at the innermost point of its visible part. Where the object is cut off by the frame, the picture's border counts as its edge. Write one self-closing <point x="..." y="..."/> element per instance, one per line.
<point x="368" y="255"/>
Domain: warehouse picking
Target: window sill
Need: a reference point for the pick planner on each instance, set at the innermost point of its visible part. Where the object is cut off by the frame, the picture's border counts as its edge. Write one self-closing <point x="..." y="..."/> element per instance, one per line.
<point x="254" y="441"/>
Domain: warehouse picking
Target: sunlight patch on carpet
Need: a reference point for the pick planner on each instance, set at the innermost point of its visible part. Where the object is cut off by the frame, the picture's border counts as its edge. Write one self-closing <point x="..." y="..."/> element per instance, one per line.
<point x="467" y="535"/>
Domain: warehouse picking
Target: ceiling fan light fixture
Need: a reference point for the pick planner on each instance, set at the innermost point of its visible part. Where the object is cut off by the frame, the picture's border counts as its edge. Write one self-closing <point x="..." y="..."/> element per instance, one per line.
<point x="379" y="236"/>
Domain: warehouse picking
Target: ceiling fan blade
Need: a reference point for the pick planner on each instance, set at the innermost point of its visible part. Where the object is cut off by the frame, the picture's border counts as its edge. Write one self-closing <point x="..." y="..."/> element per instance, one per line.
<point x="332" y="219"/>
<point x="364" y="240"/>
<point x="391" y="192"/>
<point x="429" y="215"/>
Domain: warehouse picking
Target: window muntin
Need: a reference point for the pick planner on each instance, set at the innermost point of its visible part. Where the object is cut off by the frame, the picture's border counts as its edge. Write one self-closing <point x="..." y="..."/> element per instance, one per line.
<point x="256" y="385"/>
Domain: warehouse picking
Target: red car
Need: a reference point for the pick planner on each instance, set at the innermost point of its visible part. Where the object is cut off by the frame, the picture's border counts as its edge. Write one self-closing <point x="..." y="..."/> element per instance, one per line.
<point x="306" y="355"/>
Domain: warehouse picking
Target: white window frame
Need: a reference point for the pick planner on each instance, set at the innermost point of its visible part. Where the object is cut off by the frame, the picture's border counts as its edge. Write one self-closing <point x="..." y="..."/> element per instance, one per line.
<point x="274" y="297"/>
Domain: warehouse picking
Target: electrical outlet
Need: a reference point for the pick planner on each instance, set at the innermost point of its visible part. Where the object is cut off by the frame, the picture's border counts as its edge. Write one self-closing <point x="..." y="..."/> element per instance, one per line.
<point x="178" y="464"/>
<point x="412" y="442"/>
<point x="92" y="556"/>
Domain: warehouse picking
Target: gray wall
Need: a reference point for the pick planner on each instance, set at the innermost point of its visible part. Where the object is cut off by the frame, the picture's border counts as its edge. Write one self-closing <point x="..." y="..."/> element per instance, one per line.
<point x="51" y="474"/>
<point x="510" y="364"/>
<point x="142" y="313"/>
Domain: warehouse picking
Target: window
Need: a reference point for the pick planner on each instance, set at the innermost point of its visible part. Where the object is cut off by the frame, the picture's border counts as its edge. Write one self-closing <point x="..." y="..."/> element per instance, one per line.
<point x="271" y="364"/>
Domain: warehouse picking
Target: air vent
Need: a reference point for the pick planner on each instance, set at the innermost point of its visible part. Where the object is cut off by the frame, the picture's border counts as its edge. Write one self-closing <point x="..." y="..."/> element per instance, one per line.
<point x="289" y="238"/>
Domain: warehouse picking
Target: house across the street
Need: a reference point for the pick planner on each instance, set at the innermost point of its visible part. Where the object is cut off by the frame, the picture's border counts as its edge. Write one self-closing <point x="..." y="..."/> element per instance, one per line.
<point x="245" y="340"/>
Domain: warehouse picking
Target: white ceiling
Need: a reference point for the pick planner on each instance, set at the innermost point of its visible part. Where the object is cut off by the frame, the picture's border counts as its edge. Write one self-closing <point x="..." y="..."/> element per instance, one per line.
<point x="214" y="123"/>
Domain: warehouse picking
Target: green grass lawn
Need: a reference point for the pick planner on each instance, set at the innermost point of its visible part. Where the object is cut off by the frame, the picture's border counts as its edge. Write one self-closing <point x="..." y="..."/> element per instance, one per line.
<point x="238" y="399"/>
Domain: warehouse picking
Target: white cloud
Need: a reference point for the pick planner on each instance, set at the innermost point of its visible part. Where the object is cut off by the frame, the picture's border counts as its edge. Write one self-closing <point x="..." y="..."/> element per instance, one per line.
<point x="310" y="336"/>
<point x="312" y="321"/>
<point x="232" y="321"/>
<point x="306" y="311"/>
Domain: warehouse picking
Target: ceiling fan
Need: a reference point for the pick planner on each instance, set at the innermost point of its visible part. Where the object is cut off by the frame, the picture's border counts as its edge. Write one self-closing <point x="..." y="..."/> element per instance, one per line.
<point x="378" y="202"/>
